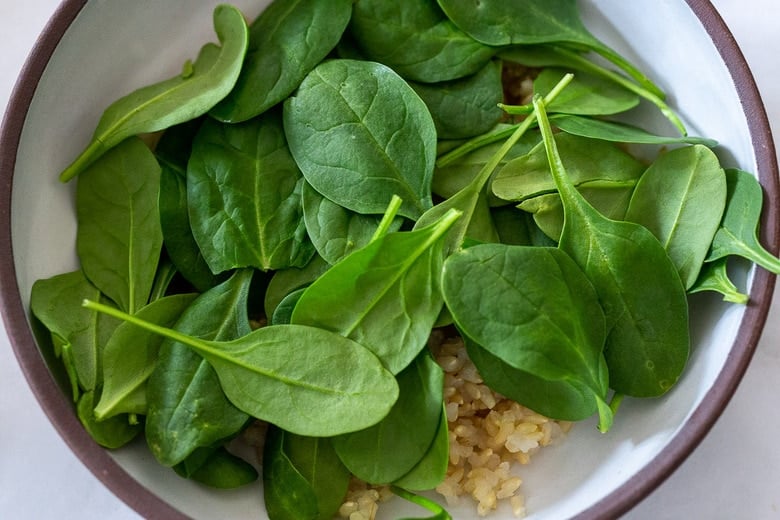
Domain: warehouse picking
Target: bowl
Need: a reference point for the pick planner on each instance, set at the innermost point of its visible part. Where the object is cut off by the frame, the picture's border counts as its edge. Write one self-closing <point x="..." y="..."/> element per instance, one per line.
<point x="92" y="51"/>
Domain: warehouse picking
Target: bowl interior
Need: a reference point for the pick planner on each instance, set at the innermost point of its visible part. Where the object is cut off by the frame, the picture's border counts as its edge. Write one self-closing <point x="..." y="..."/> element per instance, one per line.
<point x="114" y="47"/>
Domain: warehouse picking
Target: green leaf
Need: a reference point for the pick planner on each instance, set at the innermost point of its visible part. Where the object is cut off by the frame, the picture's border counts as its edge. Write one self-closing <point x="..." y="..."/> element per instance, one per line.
<point x="114" y="432"/>
<point x="288" y="495"/>
<point x="360" y="135"/>
<point x="179" y="99"/>
<point x="286" y="281"/>
<point x="173" y="152"/>
<point x="534" y="310"/>
<point x="221" y="470"/>
<point x="738" y="232"/>
<point x="187" y="407"/>
<point x="119" y="239"/>
<point x="714" y="276"/>
<point x="681" y="199"/>
<point x="279" y="55"/>
<point x="291" y="375"/>
<point x="385" y="296"/>
<point x="638" y="285"/>
<point x="130" y="356"/>
<point x="431" y="470"/>
<point x="415" y="39"/>
<point x="586" y="95"/>
<point x="78" y="333"/>
<point x="244" y="196"/>
<point x="390" y="449"/>
<point x="334" y="230"/>
<point x="619" y="132"/>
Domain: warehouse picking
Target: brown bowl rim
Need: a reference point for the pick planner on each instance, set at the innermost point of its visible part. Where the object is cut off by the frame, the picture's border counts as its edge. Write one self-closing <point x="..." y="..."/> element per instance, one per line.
<point x="59" y="408"/>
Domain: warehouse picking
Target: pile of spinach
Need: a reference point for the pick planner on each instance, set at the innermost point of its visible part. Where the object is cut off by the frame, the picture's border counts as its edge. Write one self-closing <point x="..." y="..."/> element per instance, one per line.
<point x="317" y="204"/>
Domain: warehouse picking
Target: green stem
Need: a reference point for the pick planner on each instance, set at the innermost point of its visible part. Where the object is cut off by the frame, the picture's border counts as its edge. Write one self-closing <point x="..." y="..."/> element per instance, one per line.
<point x="387" y="219"/>
<point x="653" y="98"/>
<point x="439" y="512"/>
<point x="514" y="132"/>
<point x="759" y="255"/>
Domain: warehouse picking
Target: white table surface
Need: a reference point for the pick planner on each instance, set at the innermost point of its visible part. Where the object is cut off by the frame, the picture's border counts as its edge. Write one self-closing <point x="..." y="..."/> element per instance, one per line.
<point x="734" y="473"/>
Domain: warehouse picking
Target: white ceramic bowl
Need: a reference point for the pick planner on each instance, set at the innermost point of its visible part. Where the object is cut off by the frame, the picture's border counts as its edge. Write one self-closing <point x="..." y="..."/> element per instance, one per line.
<point x="92" y="52"/>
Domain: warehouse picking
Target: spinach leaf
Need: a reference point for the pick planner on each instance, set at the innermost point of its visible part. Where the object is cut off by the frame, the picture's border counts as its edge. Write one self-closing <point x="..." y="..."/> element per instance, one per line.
<point x="415" y="39"/>
<point x="681" y="199"/>
<point x="714" y="276"/>
<point x="619" y="132"/>
<point x="558" y="56"/>
<point x="220" y="469"/>
<point x="587" y="161"/>
<point x="288" y="495"/>
<point x="244" y="196"/>
<point x="738" y="232"/>
<point x="286" y="281"/>
<point x="173" y="152"/>
<point x="179" y="99"/>
<point x="284" y="374"/>
<point x="112" y="433"/>
<point x="431" y="470"/>
<point x="501" y="23"/>
<point x="317" y="461"/>
<point x="535" y="311"/>
<point x="130" y="355"/>
<point x="78" y="335"/>
<point x="467" y="106"/>
<point x="283" y="313"/>
<point x="119" y="239"/>
<point x="390" y="449"/>
<point x="385" y="296"/>
<point x="334" y="230"/>
<point x="279" y="55"/>
<point x="186" y="406"/>
<point x="586" y="95"/>
<point x="360" y="135"/>
<point x="515" y="227"/>
<point x="638" y="285"/>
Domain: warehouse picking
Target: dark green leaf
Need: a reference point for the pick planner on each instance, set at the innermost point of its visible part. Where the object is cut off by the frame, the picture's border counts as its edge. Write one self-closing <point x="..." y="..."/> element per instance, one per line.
<point x="179" y="99"/>
<point x="119" y="239"/>
<point x="360" y="135"/>
<point x="431" y="470"/>
<point x="221" y="470"/>
<point x="288" y="495"/>
<point x="112" y="433"/>
<point x="286" y="281"/>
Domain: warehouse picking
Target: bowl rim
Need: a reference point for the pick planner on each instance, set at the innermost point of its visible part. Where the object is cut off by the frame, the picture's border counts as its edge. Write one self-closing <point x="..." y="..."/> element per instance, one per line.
<point x="59" y="409"/>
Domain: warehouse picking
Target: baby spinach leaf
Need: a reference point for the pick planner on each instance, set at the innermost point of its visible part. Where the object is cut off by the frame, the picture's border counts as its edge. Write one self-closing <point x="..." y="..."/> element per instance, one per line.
<point x="220" y="470"/>
<point x="586" y="95"/>
<point x="638" y="285"/>
<point x="76" y="333"/>
<point x="112" y="433"/>
<point x="187" y="407"/>
<point x="390" y="449"/>
<point x="283" y="313"/>
<point x="334" y="230"/>
<point x="360" y="135"/>
<point x="385" y="296"/>
<point x="431" y="470"/>
<point x="738" y="232"/>
<point x="130" y="355"/>
<point x="244" y="196"/>
<point x="179" y="99"/>
<point x="714" y="276"/>
<point x="497" y="23"/>
<point x="680" y="199"/>
<point x="288" y="495"/>
<point x="291" y="375"/>
<point x="119" y="239"/>
<point x="467" y="106"/>
<point x="619" y="132"/>
<point x="173" y="152"/>
<point x="317" y="461"/>
<point x="279" y="57"/>
<point x="415" y="39"/>
<point x="558" y="56"/>
<point x="535" y="310"/>
<point x="586" y="161"/>
<point x="517" y="228"/>
<point x="286" y="281"/>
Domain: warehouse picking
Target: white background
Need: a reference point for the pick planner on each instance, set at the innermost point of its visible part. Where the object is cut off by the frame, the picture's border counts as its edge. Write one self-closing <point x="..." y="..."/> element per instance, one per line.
<point x="735" y="472"/>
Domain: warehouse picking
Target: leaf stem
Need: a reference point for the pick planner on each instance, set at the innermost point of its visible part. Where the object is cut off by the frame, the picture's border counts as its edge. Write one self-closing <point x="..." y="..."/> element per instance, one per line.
<point x="439" y="512"/>
<point x="511" y="132"/>
<point x="387" y="219"/>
